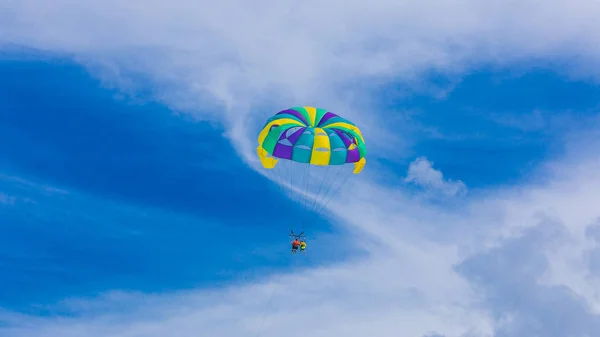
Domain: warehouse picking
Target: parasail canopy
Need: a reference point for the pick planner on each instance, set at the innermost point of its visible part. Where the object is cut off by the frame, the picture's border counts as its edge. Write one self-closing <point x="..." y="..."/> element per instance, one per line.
<point x="308" y="150"/>
<point x="312" y="136"/>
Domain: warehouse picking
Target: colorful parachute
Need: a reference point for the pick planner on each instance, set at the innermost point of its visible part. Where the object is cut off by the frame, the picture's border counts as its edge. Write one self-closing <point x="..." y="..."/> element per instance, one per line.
<point x="304" y="137"/>
<point x="313" y="136"/>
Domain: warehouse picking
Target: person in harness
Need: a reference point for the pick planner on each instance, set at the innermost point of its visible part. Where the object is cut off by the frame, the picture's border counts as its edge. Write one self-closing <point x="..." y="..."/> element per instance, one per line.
<point x="295" y="245"/>
<point x="298" y="242"/>
<point x="303" y="246"/>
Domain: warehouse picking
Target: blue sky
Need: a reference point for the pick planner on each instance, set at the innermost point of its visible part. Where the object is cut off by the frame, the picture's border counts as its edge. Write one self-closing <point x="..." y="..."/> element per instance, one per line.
<point x="131" y="202"/>
<point x="152" y="200"/>
<point x="510" y="119"/>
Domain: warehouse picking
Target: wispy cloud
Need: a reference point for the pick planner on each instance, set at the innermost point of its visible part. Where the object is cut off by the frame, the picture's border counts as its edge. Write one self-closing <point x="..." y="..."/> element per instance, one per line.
<point x="265" y="56"/>
<point x="422" y="173"/>
<point x="504" y="249"/>
<point x="21" y="191"/>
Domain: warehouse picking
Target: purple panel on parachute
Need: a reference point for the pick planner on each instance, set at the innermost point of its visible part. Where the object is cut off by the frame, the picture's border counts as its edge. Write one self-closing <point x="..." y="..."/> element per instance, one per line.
<point x="347" y="141"/>
<point x="353" y="156"/>
<point x="294" y="113"/>
<point x="294" y="137"/>
<point x="283" y="151"/>
<point x="283" y="148"/>
<point x="327" y="116"/>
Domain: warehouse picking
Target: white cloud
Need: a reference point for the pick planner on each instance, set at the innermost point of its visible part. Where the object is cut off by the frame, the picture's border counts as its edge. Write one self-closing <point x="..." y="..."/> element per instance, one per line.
<point x="407" y="282"/>
<point x="275" y="54"/>
<point x="422" y="173"/>
<point x="252" y="58"/>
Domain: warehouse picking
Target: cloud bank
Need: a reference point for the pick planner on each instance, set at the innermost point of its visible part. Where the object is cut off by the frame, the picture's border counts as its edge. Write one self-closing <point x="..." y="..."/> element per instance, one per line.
<point x="497" y="270"/>
<point x="254" y="59"/>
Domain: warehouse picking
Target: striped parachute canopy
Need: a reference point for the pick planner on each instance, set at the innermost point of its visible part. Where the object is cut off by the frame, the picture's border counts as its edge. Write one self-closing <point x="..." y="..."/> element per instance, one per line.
<point x="305" y="147"/>
<point x="311" y="136"/>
